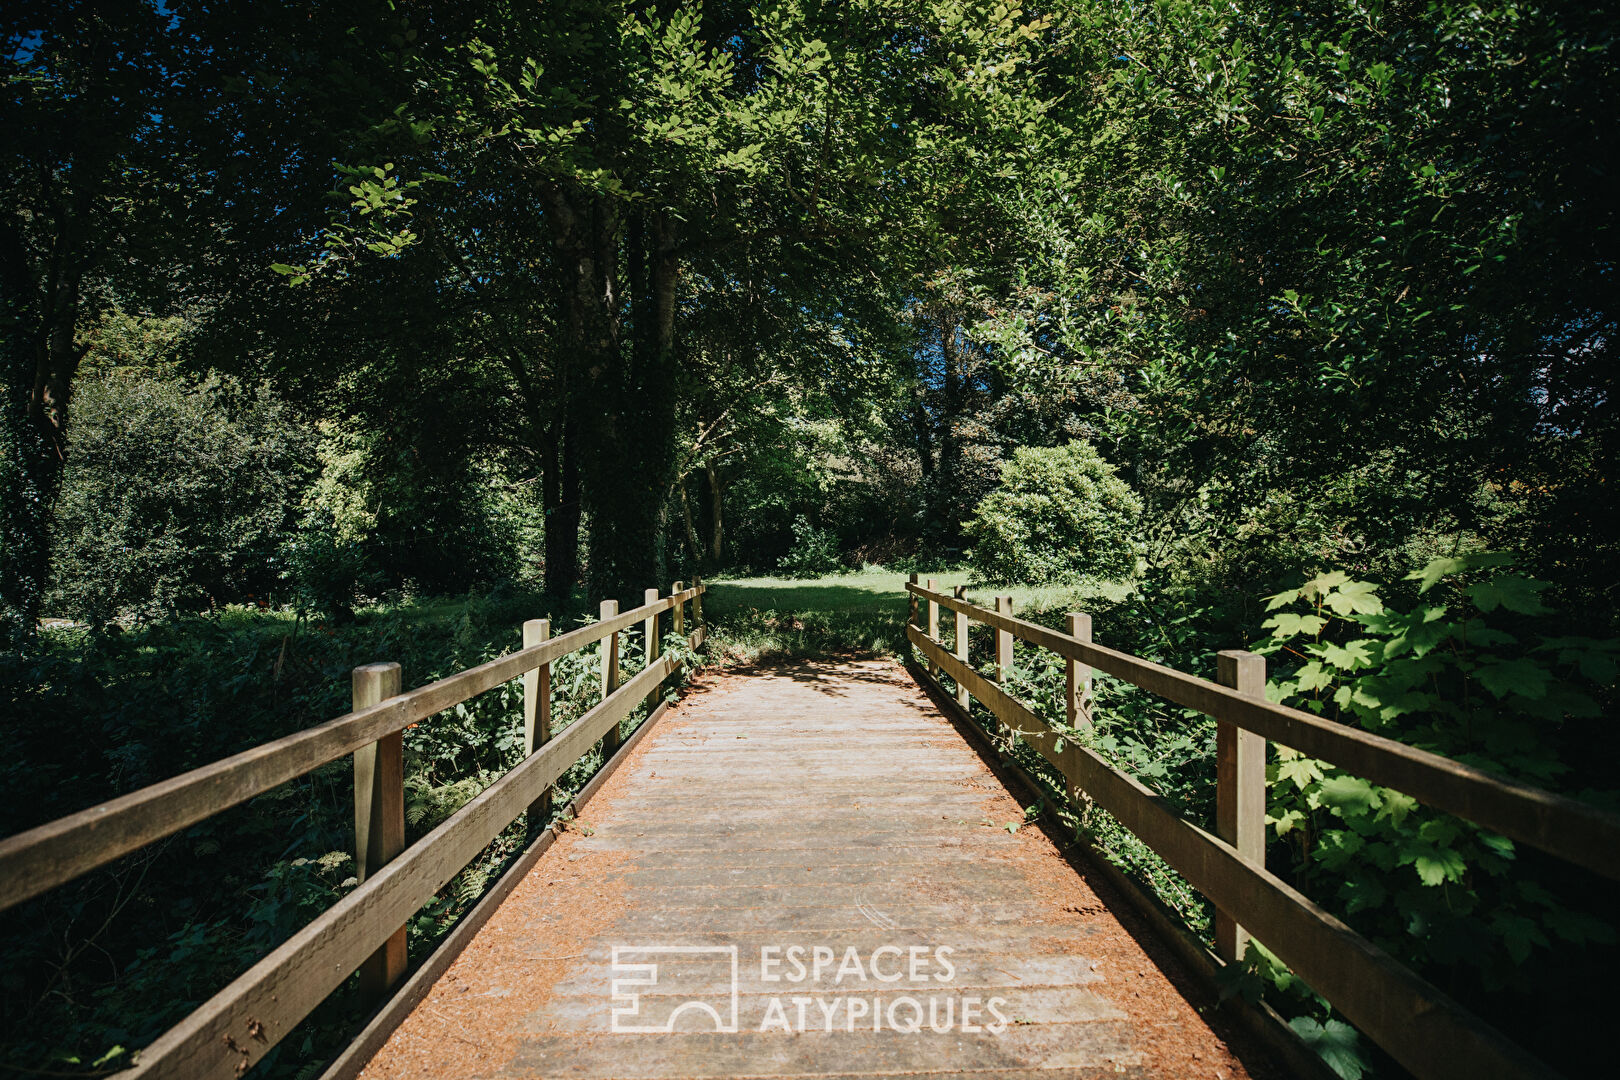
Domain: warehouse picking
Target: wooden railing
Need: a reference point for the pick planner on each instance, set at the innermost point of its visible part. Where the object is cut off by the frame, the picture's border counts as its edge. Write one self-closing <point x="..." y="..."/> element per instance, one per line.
<point x="1422" y="1028"/>
<point x="365" y="929"/>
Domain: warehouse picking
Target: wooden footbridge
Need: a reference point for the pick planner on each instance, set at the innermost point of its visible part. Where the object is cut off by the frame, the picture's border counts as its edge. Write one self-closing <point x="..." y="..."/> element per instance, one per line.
<point x="821" y="869"/>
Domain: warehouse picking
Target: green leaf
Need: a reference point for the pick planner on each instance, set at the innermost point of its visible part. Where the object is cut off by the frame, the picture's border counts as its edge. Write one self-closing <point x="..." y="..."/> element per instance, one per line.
<point x="1511" y="591"/>
<point x="1350" y="657"/>
<point x="1350" y="795"/>
<point x="1287" y="625"/>
<point x="1439" y="865"/>
<point x="116" y="1051"/>
<point x="1437" y="569"/>
<point x="1355" y="598"/>
<point x="1335" y="1042"/>
<point x="1337" y="849"/>
<point x="1321" y="583"/>
<point x="1286" y="822"/>
<point x="1301" y="771"/>
<point x="1313" y="676"/>
<point x="1281" y="599"/>
<point x="1519" y="934"/>
<point x="1397" y="805"/>
<point x="1523" y="676"/>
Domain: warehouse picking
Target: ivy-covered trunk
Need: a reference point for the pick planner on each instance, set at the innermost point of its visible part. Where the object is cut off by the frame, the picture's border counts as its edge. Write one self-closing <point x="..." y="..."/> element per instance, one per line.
<point x="40" y="360"/>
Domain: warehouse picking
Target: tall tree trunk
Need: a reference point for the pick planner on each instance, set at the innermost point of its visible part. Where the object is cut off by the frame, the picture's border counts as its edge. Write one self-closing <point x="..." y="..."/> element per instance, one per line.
<point x="624" y="405"/>
<point x="26" y="463"/>
<point x="560" y="495"/>
<point x="716" y="523"/>
<point x="694" y="549"/>
<point x="40" y="361"/>
<point x="949" y="488"/>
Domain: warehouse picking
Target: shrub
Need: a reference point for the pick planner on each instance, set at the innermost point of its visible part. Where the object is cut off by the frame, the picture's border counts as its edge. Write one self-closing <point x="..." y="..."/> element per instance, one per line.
<point x="814" y="553"/>
<point x="1060" y="514"/>
<point x="174" y="496"/>
<point x="1477" y="671"/>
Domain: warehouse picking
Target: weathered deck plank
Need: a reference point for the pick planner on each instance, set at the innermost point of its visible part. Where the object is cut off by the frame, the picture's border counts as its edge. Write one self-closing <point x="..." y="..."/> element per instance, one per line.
<point x="820" y="807"/>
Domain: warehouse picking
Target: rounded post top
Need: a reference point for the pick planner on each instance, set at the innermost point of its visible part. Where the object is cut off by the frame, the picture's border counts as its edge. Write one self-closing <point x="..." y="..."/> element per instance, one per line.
<point x="649" y="596"/>
<point x="609" y="607"/>
<point x="1004" y="604"/>
<point x="536" y="631"/>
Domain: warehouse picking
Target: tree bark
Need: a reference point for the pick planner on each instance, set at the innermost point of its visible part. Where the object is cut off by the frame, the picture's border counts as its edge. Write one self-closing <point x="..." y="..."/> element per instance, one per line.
<point x="623" y="402"/>
<point x="694" y="549"/>
<point x="41" y="359"/>
<point x="26" y="463"/>
<point x="716" y="523"/>
<point x="560" y="497"/>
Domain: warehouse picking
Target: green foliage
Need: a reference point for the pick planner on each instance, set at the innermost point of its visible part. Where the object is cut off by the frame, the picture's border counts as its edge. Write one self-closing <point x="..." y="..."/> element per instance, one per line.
<point x="113" y="959"/>
<point x="814" y="553"/>
<point x="1336" y="1042"/>
<point x="175" y="498"/>
<point x="1262" y="279"/>
<point x="1060" y="514"/>
<point x="1476" y="671"/>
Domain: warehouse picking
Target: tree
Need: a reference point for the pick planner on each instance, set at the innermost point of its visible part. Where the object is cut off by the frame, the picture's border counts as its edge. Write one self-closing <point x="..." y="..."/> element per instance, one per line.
<point x="1350" y="268"/>
<point x="1060" y="514"/>
<point x="656" y="144"/>
<point x="82" y="84"/>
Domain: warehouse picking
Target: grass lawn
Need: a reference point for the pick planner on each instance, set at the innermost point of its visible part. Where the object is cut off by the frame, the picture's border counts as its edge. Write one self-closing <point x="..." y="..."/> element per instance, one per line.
<point x="761" y="617"/>
<point x="876" y="591"/>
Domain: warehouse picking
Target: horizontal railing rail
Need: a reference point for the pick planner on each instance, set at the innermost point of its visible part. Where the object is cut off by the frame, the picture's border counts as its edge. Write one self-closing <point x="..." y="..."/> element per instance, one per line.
<point x="42" y="858"/>
<point x="240" y="1024"/>
<point x="1568" y="828"/>
<point x="1428" y="1032"/>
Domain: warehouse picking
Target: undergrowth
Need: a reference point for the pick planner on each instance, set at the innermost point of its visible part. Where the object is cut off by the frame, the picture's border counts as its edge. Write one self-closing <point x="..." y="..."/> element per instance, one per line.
<point x="99" y="967"/>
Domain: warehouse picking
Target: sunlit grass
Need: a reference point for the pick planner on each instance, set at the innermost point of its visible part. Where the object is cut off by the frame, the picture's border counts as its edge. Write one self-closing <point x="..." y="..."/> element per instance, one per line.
<point x="876" y="589"/>
<point x="760" y="618"/>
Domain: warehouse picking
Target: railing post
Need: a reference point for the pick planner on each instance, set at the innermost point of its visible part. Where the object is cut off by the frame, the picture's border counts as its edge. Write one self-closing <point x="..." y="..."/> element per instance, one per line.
<point x="1079" y="675"/>
<point x="963" y="698"/>
<point x="1004" y="641"/>
<point x="911" y="602"/>
<point x="537" y="712"/>
<point x="697" y="601"/>
<point x="1240" y="786"/>
<point x="680" y="610"/>
<point x="610" y="674"/>
<point x="379" y="816"/>
<point x="649" y="630"/>
<point x="933" y="626"/>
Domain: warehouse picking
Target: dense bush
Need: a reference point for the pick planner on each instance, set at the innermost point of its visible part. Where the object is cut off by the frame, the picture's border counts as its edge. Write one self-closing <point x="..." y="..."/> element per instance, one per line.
<point x="399" y="508"/>
<point x="1060" y="514"/>
<point x="814" y="552"/>
<point x="1481" y="675"/>
<point x="175" y="497"/>
<point x="104" y="964"/>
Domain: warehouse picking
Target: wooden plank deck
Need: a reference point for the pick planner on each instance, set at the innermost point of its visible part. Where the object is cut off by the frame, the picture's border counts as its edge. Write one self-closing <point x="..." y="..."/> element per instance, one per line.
<point x="824" y="810"/>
